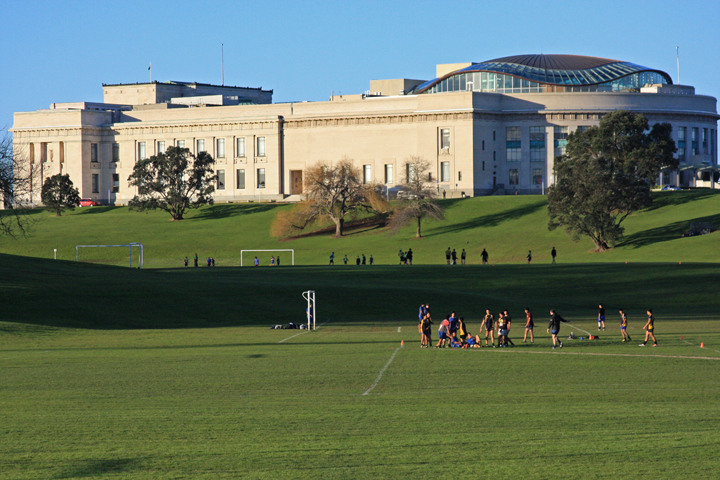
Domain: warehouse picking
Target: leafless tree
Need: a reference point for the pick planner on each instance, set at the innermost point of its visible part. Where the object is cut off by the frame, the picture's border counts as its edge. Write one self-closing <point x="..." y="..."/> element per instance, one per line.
<point x="336" y="192"/>
<point x="17" y="178"/>
<point x="416" y="196"/>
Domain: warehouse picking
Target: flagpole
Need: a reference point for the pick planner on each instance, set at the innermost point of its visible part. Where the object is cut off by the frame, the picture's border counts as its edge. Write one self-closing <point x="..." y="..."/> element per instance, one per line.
<point x="677" y="50"/>
<point x="222" y="61"/>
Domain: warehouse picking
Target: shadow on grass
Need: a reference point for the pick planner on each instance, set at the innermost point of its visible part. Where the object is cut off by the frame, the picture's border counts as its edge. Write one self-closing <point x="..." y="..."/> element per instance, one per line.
<point x="94" y="468"/>
<point x="665" y="233"/>
<point x="216" y="212"/>
<point x="667" y="199"/>
<point x="94" y="210"/>
<point x="492" y="220"/>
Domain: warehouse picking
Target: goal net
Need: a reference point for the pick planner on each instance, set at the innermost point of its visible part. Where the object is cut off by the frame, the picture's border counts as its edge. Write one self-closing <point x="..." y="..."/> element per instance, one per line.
<point x="130" y="254"/>
<point x="264" y="257"/>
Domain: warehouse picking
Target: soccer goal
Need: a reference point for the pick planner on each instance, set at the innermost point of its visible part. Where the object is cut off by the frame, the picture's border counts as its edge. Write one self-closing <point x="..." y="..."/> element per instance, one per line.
<point x="129" y="246"/>
<point x="292" y="255"/>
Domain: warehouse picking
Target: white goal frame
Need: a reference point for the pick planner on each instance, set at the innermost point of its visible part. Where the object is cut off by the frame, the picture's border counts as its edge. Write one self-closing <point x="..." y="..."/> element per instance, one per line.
<point x="276" y="250"/>
<point x="141" y="251"/>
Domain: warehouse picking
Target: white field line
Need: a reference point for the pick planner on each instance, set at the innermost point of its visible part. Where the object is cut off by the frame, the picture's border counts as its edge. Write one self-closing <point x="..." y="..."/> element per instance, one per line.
<point x="690" y="343"/>
<point x="399" y="329"/>
<point x="306" y="331"/>
<point x="578" y="328"/>
<point x="619" y="355"/>
<point x="377" y="380"/>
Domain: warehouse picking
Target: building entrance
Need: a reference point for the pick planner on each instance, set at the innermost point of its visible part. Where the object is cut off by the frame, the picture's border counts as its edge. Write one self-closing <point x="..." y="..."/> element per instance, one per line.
<point x="296" y="182"/>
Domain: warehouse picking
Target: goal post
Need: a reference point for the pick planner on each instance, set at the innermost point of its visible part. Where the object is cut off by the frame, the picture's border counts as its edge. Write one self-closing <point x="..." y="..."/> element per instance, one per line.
<point x="310" y="312"/>
<point x="129" y="246"/>
<point x="292" y="252"/>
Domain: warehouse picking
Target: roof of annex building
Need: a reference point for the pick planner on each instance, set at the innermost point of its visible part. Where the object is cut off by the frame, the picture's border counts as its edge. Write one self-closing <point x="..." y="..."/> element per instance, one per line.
<point x="560" y="70"/>
<point x="182" y="84"/>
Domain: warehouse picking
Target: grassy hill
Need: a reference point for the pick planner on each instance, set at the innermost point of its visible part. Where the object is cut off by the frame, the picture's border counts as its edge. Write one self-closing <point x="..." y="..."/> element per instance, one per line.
<point x="506" y="226"/>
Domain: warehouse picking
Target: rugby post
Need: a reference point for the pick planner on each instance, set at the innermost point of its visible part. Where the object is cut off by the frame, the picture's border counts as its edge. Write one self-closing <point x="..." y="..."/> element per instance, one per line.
<point x="311" y="313"/>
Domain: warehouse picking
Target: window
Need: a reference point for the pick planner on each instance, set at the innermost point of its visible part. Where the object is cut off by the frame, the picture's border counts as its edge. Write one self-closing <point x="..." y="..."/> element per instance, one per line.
<point x="220" y="151"/>
<point x="483" y="165"/>
<point x="94" y="152"/>
<point x="142" y="151"/>
<point x="95" y="183"/>
<point x="260" y="178"/>
<point x="582" y="128"/>
<point x="561" y="135"/>
<point x="459" y="176"/>
<point x="483" y="145"/>
<point x="494" y="157"/>
<point x="161" y="146"/>
<point x="221" y="179"/>
<point x="181" y="143"/>
<point x="260" y="146"/>
<point x="44" y="152"/>
<point x="116" y="152"/>
<point x="705" y="140"/>
<point x="444" y="171"/>
<point x="367" y="174"/>
<point x="444" y="138"/>
<point x="388" y="173"/>
<point x="410" y="172"/>
<point x="240" y="147"/>
<point x="513" y="144"/>
<point x="666" y="177"/>
<point x="493" y="135"/>
<point x="537" y="176"/>
<point x="537" y="144"/>
<point x="694" y="140"/>
<point x="115" y="182"/>
<point x="513" y="177"/>
<point x="201" y="145"/>
<point x="682" y="131"/>
<point x="240" y="179"/>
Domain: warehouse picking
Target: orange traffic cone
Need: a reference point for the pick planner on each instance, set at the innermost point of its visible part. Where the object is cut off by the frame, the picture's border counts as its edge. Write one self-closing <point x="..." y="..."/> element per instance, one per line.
<point x="702" y="344"/>
<point x="681" y="337"/>
<point x="402" y="342"/>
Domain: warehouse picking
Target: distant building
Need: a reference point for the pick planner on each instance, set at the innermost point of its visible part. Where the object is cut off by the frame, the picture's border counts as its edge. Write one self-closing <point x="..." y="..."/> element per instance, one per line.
<point x="489" y="128"/>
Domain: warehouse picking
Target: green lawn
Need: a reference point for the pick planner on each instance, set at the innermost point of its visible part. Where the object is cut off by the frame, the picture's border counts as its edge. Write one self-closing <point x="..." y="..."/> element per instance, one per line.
<point x="506" y="226"/>
<point x="163" y="374"/>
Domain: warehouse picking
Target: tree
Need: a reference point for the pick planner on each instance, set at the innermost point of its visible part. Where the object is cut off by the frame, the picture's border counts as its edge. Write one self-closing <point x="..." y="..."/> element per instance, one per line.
<point x="173" y="181"/>
<point x="17" y="178"/>
<point x="417" y="196"/>
<point x="335" y="192"/>
<point x="606" y="175"/>
<point x="58" y="193"/>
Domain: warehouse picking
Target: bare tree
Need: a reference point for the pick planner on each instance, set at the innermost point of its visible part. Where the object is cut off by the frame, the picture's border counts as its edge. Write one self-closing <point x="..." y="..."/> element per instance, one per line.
<point x="417" y="196"/>
<point x="18" y="176"/>
<point x="335" y="192"/>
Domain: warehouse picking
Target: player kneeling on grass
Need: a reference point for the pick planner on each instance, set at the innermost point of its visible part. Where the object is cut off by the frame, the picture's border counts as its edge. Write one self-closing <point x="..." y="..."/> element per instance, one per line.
<point x="554" y="327"/>
<point x="456" y="343"/>
<point x="649" y="329"/>
<point x="623" y="326"/>
<point x="472" y="341"/>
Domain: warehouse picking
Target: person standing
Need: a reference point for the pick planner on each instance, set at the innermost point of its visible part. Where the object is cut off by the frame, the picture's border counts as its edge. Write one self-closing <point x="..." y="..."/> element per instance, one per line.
<point x="409" y="256"/>
<point x="357" y="260"/>
<point x="257" y="262"/>
<point x="553" y="253"/>
<point x="371" y="259"/>
<point x="529" y="256"/>
<point x="209" y="261"/>
<point x="454" y="325"/>
<point x="212" y="259"/>
<point x="488" y="322"/>
<point x="196" y="259"/>
<point x="272" y="260"/>
<point x="401" y="254"/>
<point x="623" y="326"/>
<point x="447" y="255"/>
<point x="601" y="317"/>
<point x="186" y="261"/>
<point x="484" y="256"/>
<point x="443" y="333"/>
<point x="529" y="325"/>
<point x="278" y="260"/>
<point x="426" y="330"/>
<point x="421" y="317"/>
<point x="345" y="259"/>
<point x="649" y="329"/>
<point x="463" y="255"/>
<point x="462" y="329"/>
<point x="508" y="322"/>
<point x="364" y="259"/>
<point x="554" y="328"/>
<point x="454" y="257"/>
<point x="332" y="258"/>
<point x="502" y="330"/>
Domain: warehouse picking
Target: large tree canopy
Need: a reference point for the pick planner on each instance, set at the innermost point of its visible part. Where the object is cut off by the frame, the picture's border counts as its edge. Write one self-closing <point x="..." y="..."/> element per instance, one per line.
<point x="58" y="193"/>
<point x="606" y="174"/>
<point x="173" y="181"/>
<point x="417" y="199"/>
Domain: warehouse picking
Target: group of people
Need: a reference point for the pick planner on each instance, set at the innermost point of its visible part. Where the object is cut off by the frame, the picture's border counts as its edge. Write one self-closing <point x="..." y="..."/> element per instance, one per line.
<point x="451" y="256"/>
<point x="453" y="331"/>
<point x="360" y="260"/>
<point x="210" y="261"/>
<point x="405" y="257"/>
<point x="273" y="261"/>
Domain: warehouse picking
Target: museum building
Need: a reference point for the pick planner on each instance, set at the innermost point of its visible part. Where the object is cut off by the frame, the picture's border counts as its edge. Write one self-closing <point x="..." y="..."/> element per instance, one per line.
<point x="488" y="128"/>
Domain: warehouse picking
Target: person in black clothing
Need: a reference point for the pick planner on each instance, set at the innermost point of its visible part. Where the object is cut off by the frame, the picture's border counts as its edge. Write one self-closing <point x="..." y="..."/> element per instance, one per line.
<point x="447" y="255"/>
<point x="357" y="262"/>
<point x="508" y="321"/>
<point x="196" y="260"/>
<point x="364" y="260"/>
<point x="484" y="256"/>
<point x="454" y="257"/>
<point x="601" y="317"/>
<point x="554" y="327"/>
<point x="409" y="256"/>
<point x="553" y="252"/>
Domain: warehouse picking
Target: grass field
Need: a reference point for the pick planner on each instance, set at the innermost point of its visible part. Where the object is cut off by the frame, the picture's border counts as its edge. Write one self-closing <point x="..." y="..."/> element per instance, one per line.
<point x="162" y="374"/>
<point x="506" y="226"/>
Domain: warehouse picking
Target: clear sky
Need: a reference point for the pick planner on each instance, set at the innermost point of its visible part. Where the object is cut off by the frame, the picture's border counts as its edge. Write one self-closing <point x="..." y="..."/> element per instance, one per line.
<point x="62" y="51"/>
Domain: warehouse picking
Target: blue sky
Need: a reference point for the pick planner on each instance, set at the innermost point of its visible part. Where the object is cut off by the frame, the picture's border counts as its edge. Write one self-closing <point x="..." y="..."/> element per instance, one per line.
<point x="62" y="51"/>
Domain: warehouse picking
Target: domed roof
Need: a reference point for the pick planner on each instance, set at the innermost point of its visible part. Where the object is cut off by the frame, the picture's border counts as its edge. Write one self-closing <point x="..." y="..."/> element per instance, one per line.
<point x="562" y="70"/>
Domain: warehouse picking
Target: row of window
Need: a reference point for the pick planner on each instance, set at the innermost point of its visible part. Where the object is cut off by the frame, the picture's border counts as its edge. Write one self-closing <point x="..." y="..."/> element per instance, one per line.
<point x="704" y="138"/>
<point x="410" y="173"/>
<point x="513" y="143"/>
<point x="220" y="185"/>
<point x="514" y="176"/>
<point x="160" y="145"/>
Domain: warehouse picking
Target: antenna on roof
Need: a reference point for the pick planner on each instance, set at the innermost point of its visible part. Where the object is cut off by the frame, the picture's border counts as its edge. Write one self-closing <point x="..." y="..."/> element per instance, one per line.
<point x="222" y="62"/>
<point x="677" y="50"/>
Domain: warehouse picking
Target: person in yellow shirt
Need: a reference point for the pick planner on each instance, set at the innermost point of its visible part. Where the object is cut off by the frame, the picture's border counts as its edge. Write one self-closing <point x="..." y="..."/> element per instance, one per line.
<point x="649" y="328"/>
<point x="623" y="326"/>
<point x="488" y="322"/>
